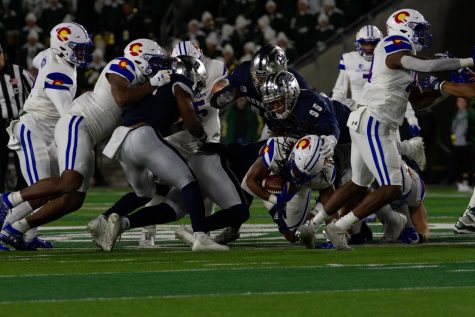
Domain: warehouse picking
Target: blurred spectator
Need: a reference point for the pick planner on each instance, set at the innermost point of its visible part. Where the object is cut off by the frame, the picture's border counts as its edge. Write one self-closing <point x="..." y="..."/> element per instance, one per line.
<point x="463" y="137"/>
<point x="264" y="32"/>
<point x="241" y="124"/>
<point x="335" y="15"/>
<point x="111" y="14"/>
<point x="211" y="47"/>
<point x="283" y="42"/>
<point x="241" y="34"/>
<point x="194" y="34"/>
<point x="303" y="27"/>
<point x="30" y="50"/>
<point x="30" y="25"/>
<point x="324" y="29"/>
<point x="277" y="20"/>
<point x="227" y="32"/>
<point x="248" y="51"/>
<point x="229" y="59"/>
<point x="93" y="70"/>
<point x="33" y="6"/>
<point x="207" y="23"/>
<point x="53" y="14"/>
<point x="131" y="25"/>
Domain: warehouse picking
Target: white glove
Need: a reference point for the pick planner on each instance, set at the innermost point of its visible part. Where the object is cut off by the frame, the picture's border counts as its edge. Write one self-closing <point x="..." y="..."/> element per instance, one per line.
<point x="328" y="146"/>
<point x="195" y="145"/>
<point x="162" y="77"/>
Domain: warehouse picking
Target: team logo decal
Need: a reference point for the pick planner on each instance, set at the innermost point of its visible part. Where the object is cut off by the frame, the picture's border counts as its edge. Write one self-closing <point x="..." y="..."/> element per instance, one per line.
<point x="63" y="33"/>
<point x="303" y="144"/>
<point x="397" y="41"/>
<point x="57" y="82"/>
<point x="401" y="17"/>
<point x="123" y="64"/>
<point x="266" y="149"/>
<point x="135" y="49"/>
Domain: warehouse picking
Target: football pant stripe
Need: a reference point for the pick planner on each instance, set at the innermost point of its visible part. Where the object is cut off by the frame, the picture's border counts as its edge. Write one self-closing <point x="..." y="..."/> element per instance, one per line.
<point x="25" y="152"/>
<point x="32" y="154"/>
<point x="381" y="153"/>
<point x="373" y="151"/>
<point x="76" y="137"/>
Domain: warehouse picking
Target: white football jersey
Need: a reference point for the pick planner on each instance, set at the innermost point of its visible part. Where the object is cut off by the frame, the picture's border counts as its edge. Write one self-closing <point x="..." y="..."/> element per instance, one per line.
<point x="387" y="90"/>
<point x="412" y="189"/>
<point x="99" y="108"/>
<point x="276" y="152"/>
<point x="215" y="71"/>
<point x="354" y="72"/>
<point x="47" y="102"/>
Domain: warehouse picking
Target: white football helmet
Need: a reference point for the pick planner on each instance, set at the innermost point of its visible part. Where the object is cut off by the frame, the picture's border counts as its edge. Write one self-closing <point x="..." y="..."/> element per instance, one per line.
<point x="188" y="48"/>
<point x="71" y="42"/>
<point x="305" y="161"/>
<point x="146" y="55"/>
<point x="412" y="25"/>
<point x="368" y="34"/>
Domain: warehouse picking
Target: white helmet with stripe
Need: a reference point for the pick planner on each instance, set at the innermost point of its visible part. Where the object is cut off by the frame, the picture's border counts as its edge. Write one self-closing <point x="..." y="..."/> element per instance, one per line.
<point x="71" y="42"/>
<point x="412" y="25"/>
<point x="146" y="54"/>
<point x="188" y="48"/>
<point x="368" y="34"/>
<point x="305" y="160"/>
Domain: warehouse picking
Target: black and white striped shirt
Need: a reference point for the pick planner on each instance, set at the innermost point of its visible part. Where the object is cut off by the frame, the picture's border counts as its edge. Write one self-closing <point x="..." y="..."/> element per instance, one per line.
<point x="15" y="86"/>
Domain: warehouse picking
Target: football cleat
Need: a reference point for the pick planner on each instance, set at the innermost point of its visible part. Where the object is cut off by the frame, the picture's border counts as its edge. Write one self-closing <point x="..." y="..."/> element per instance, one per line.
<point x="204" y="243"/>
<point x="40" y="243"/>
<point x="147" y="237"/>
<point x="114" y="229"/>
<point x="393" y="227"/>
<point x="338" y="237"/>
<point x="466" y="223"/>
<point x="13" y="237"/>
<point x="97" y="229"/>
<point x="185" y="234"/>
<point x="409" y="236"/>
<point x="3" y="247"/>
<point x="4" y="208"/>
<point x="227" y="235"/>
<point x="306" y="234"/>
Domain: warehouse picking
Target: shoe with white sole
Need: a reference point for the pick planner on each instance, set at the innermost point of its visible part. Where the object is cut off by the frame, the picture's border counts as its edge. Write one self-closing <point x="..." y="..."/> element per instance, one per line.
<point x="203" y="242"/>
<point x="338" y="237"/>
<point x="227" y="235"/>
<point x="97" y="229"/>
<point x="185" y="234"/>
<point x="306" y="234"/>
<point x="393" y="227"/>
<point x="114" y="229"/>
<point x="466" y="222"/>
<point x="147" y="237"/>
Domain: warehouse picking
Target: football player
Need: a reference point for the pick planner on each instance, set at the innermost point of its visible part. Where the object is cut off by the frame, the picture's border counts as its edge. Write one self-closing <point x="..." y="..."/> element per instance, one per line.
<point x="463" y="85"/>
<point x="301" y="167"/>
<point x="391" y="83"/>
<point x="91" y="118"/>
<point x="31" y="136"/>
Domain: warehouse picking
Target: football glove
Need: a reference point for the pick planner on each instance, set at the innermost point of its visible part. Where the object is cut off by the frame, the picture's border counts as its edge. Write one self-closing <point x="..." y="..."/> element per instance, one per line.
<point x="328" y="147"/>
<point x="431" y="83"/>
<point x="162" y="77"/>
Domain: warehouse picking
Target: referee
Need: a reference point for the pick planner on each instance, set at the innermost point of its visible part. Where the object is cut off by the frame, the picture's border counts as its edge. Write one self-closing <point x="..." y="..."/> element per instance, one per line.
<point x="15" y="86"/>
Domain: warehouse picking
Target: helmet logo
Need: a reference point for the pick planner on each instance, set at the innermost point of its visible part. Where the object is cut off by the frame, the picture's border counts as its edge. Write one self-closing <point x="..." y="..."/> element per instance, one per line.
<point x="401" y="17"/>
<point x="135" y="49"/>
<point x="303" y="144"/>
<point x="62" y="34"/>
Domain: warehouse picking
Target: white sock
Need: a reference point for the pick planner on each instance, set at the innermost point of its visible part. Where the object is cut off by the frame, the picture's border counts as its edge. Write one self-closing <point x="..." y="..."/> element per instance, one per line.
<point x="31" y="234"/>
<point x="320" y="217"/>
<point x="21" y="225"/>
<point x="15" y="198"/>
<point x="472" y="200"/>
<point x="346" y="221"/>
<point x="18" y="212"/>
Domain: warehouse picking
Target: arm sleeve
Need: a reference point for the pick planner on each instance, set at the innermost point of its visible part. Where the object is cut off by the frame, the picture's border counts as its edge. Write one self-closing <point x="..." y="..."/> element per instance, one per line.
<point x="57" y="87"/>
<point x="340" y="91"/>
<point x="433" y="65"/>
<point x="411" y="115"/>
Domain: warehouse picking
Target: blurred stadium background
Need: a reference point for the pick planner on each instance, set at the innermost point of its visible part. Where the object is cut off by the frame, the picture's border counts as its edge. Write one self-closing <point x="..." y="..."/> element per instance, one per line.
<point x="314" y="34"/>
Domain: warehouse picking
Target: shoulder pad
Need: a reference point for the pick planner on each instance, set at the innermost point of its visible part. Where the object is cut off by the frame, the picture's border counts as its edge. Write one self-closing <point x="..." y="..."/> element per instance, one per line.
<point x="396" y="43"/>
<point x="123" y="67"/>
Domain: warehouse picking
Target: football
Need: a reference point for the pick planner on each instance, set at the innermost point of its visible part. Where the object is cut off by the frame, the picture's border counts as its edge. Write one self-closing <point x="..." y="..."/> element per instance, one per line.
<point x="273" y="184"/>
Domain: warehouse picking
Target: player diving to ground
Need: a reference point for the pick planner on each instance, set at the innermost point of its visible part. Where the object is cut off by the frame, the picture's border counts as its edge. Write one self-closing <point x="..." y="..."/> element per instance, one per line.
<point x="301" y="167"/>
<point x="374" y="154"/>
<point x="92" y="117"/>
<point x="32" y="135"/>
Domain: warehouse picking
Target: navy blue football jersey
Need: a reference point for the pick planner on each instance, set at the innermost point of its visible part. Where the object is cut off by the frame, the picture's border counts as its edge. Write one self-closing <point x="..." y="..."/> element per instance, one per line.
<point x="241" y="79"/>
<point x="159" y="110"/>
<point x="314" y="114"/>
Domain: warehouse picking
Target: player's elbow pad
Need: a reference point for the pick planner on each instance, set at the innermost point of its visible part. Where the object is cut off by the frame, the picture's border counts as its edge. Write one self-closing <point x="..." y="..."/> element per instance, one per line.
<point x="434" y="65"/>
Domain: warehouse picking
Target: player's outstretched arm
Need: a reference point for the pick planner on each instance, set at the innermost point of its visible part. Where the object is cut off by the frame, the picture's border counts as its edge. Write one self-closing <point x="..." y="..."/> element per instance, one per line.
<point x="464" y="90"/>
<point x="405" y="59"/>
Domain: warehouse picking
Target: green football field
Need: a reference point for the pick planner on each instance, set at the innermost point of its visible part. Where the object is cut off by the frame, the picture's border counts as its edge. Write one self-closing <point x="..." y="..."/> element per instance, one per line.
<point x="262" y="275"/>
